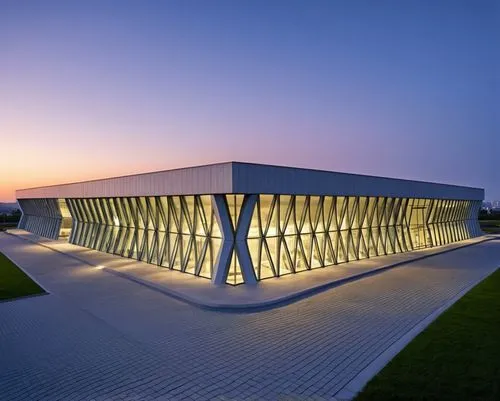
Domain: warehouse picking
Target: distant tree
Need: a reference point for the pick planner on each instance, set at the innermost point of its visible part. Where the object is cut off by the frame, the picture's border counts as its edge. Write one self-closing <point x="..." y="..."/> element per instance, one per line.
<point x="484" y="214"/>
<point x="16" y="213"/>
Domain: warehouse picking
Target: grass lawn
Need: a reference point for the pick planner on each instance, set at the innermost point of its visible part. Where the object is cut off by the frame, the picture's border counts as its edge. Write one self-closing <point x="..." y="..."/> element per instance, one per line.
<point x="490" y="226"/>
<point x="456" y="358"/>
<point x="13" y="282"/>
<point x="6" y="226"/>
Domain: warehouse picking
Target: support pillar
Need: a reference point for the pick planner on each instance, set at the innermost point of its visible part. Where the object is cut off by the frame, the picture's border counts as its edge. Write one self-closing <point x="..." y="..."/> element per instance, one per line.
<point x="222" y="264"/>
<point x="234" y="239"/>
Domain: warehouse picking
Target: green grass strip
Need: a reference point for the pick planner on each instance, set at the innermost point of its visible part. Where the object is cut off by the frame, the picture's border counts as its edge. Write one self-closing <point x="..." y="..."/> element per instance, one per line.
<point x="14" y="282"/>
<point x="456" y="358"/>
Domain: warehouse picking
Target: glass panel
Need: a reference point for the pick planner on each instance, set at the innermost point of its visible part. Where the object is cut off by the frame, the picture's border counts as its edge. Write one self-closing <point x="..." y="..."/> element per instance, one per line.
<point x="314" y="212"/>
<point x="268" y="215"/>
<point x="117" y="212"/>
<point x="389" y="204"/>
<point x="287" y="225"/>
<point x="267" y="265"/>
<point x="341" y="247"/>
<point x="215" y="249"/>
<point x="351" y="248"/>
<point x="352" y="206"/>
<point x="272" y="246"/>
<point x="255" y="228"/>
<point x="174" y="214"/>
<point x="152" y="216"/>
<point x="97" y="211"/>
<point x="175" y="255"/>
<point x="302" y="253"/>
<point x="215" y="231"/>
<point x="286" y="261"/>
<point x="142" y="215"/>
<point x="362" y="220"/>
<point x="205" y="259"/>
<point x="254" y="250"/>
<point x="86" y="208"/>
<point x="188" y="214"/>
<point x="300" y="211"/>
<point x="162" y="210"/>
<point x="103" y="205"/>
<point x="328" y="213"/>
<point x="234" y="276"/>
<point x="239" y="203"/>
<point x="305" y="220"/>
<point x="233" y="210"/>
<point x="189" y="248"/>
<point x="142" y="245"/>
<point x="317" y="253"/>
<point x="329" y="249"/>
<point x="66" y="220"/>
<point x="201" y="227"/>
<point x="364" y="243"/>
<point x="342" y="218"/>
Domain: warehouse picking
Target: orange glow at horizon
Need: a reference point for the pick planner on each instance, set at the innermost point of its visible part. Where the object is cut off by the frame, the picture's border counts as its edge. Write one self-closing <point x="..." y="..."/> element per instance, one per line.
<point x="35" y="164"/>
<point x="92" y="91"/>
<point x="23" y="176"/>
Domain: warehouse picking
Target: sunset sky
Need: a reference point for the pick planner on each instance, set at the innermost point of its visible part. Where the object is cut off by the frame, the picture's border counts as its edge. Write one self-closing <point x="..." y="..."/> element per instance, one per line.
<point x="406" y="89"/>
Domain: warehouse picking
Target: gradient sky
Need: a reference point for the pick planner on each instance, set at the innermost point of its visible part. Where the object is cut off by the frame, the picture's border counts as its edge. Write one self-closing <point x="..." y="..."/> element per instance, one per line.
<point x="407" y="89"/>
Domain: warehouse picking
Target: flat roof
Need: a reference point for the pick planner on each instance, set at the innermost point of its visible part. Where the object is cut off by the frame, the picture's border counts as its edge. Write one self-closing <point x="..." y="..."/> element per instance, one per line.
<point x="242" y="178"/>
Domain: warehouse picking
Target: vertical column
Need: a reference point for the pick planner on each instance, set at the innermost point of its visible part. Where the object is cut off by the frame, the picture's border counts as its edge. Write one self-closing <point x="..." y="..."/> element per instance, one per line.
<point x="241" y="245"/>
<point x="234" y="239"/>
<point x="223" y="261"/>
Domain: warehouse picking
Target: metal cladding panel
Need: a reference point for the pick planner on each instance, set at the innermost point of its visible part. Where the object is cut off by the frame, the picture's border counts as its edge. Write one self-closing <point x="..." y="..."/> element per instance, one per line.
<point x="248" y="178"/>
<point x="264" y="179"/>
<point x="211" y="179"/>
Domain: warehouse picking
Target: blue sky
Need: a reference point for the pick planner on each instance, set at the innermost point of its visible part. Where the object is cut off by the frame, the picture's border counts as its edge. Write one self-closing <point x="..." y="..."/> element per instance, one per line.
<point x="406" y="89"/>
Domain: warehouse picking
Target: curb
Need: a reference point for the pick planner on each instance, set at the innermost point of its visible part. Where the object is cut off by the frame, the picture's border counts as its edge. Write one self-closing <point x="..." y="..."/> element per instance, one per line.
<point x="4" y="301"/>
<point x="297" y="296"/>
<point x="354" y="387"/>
<point x="255" y="306"/>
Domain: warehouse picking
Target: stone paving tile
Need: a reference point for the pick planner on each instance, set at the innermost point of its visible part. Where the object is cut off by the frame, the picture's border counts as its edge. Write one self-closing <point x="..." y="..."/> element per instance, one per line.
<point x="97" y="336"/>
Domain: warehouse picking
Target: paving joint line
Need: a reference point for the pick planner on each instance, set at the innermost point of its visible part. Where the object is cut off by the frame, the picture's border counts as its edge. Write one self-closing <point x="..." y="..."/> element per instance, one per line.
<point x="358" y="382"/>
<point x="258" y="306"/>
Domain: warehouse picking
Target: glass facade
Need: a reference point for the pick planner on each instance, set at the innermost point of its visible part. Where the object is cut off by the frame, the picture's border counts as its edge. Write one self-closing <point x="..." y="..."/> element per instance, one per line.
<point x="264" y="235"/>
<point x="234" y="203"/>
<point x="66" y="220"/>
<point x="177" y="232"/>
<point x="41" y="217"/>
<point x="289" y="233"/>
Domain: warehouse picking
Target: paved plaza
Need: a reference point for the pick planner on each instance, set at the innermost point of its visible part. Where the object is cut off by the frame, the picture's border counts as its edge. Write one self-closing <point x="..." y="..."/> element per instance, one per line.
<point x="267" y="294"/>
<point x="97" y="336"/>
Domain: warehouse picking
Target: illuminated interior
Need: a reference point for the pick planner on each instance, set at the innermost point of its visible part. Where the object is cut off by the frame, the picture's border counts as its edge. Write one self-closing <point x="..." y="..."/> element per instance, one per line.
<point x="66" y="220"/>
<point x="284" y="234"/>
<point x="289" y="234"/>
<point x="177" y="232"/>
<point x="41" y="217"/>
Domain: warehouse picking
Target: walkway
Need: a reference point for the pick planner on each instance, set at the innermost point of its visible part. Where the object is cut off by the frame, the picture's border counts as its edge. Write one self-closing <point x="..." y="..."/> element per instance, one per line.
<point x="98" y="336"/>
<point x="267" y="294"/>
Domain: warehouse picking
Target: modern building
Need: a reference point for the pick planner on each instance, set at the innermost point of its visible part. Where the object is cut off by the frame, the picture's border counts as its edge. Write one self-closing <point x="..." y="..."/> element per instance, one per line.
<point x="240" y="222"/>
